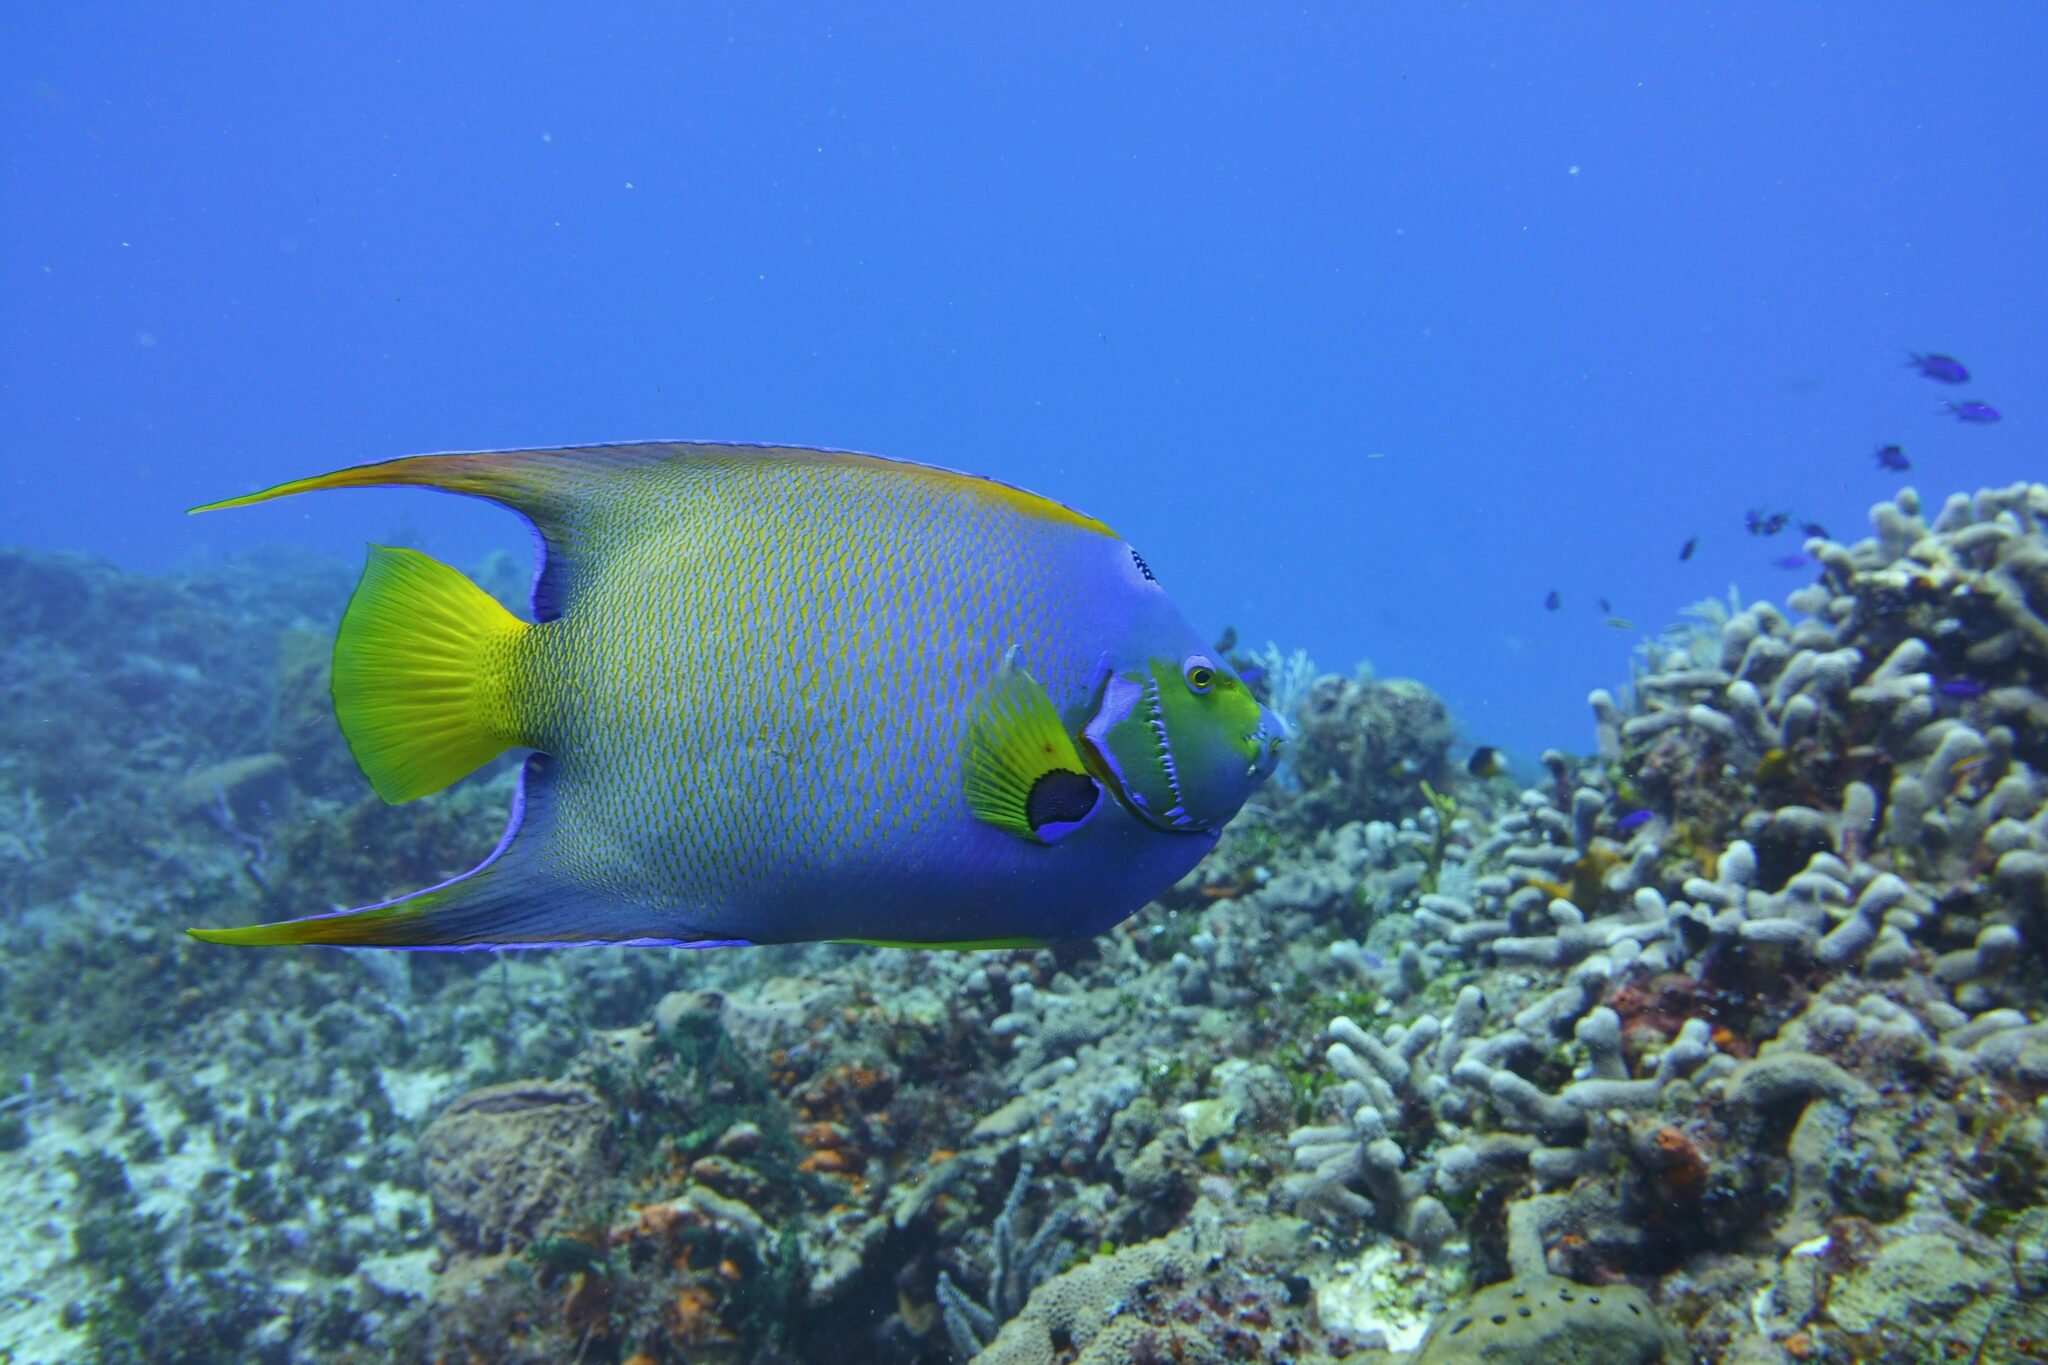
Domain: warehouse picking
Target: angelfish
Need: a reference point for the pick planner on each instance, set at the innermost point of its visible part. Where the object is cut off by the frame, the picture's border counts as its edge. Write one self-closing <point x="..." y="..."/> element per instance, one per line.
<point x="778" y="695"/>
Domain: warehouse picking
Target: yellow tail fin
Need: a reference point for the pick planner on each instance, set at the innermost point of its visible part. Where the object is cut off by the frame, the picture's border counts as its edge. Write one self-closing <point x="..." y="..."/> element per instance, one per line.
<point x="423" y="674"/>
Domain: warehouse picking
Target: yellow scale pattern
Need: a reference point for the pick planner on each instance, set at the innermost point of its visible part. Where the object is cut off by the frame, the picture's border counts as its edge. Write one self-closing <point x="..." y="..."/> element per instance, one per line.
<point x="761" y="683"/>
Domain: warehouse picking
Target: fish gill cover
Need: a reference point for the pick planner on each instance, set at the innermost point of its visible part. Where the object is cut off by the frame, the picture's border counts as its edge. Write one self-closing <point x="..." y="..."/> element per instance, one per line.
<point x="1701" y="1017"/>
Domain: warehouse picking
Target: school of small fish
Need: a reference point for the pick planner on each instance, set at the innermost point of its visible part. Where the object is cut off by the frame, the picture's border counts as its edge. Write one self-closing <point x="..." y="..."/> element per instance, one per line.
<point x="1890" y="458"/>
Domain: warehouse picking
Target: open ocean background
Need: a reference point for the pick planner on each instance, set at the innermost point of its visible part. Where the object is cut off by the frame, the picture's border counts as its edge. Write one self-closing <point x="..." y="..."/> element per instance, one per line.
<point x="1497" y="346"/>
<point x="1370" y="325"/>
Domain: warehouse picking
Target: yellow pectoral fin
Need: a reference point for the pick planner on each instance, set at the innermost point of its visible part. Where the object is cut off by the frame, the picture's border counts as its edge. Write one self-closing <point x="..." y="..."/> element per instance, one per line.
<point x="1020" y="769"/>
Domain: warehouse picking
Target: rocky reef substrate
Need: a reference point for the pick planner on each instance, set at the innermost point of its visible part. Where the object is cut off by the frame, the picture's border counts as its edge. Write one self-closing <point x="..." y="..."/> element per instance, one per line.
<point x="1721" y="1039"/>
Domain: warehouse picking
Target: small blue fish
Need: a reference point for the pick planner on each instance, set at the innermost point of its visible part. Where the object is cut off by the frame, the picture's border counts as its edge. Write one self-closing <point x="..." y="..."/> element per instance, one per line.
<point x="1553" y="601"/>
<point x="1962" y="687"/>
<point x="1633" y="821"/>
<point x="1973" y="410"/>
<point x="1685" y="550"/>
<point x="1945" y="368"/>
<point x="1792" y="561"/>
<point x="1813" y="530"/>
<point x="1893" y="458"/>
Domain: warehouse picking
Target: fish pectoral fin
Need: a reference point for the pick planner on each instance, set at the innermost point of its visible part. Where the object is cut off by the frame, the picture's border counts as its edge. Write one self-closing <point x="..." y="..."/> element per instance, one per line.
<point x="423" y="674"/>
<point x="1020" y="768"/>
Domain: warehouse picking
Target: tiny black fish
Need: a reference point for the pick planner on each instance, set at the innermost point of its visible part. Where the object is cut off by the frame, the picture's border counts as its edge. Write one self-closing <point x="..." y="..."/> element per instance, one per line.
<point x="1893" y="458"/>
<point x="1814" y="530"/>
<point x="1971" y="410"/>
<point x="1485" y="762"/>
<point x="1776" y="522"/>
<point x="1606" y="609"/>
<point x="1945" y="368"/>
<point x="1552" y="602"/>
<point x="1685" y="550"/>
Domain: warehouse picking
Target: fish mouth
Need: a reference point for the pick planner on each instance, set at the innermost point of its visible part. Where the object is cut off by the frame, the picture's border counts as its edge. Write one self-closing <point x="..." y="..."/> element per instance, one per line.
<point x="1266" y="742"/>
<point x="1265" y="755"/>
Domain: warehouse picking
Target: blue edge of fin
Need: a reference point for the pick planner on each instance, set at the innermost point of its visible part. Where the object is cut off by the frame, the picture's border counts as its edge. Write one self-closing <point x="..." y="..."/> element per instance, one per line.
<point x="533" y="765"/>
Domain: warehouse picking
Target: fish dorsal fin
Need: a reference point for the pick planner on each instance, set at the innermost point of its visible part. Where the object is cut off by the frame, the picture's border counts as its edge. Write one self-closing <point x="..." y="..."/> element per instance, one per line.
<point x="557" y="489"/>
<point x="1020" y="768"/>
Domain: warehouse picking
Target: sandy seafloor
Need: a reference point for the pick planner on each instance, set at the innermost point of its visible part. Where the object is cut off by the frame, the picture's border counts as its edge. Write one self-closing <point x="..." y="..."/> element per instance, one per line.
<point x="1718" y="1036"/>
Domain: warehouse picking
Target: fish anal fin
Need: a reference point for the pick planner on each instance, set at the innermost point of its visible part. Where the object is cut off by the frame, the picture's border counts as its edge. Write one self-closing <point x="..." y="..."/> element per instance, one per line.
<point x="510" y="900"/>
<point x="961" y="946"/>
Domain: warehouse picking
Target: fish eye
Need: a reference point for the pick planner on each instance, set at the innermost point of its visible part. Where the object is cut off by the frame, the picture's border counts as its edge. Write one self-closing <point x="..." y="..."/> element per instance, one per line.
<point x="1200" y="674"/>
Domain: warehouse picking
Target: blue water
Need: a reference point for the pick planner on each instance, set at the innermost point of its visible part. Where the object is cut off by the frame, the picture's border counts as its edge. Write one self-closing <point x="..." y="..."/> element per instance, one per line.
<point x="1371" y="326"/>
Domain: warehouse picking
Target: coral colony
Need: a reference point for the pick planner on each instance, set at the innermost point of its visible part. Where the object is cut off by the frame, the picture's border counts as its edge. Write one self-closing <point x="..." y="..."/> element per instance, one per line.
<point x="1717" y="1037"/>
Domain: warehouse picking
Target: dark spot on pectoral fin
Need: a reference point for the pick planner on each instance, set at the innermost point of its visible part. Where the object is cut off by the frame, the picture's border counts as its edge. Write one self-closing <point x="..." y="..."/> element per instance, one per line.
<point x="1059" y="802"/>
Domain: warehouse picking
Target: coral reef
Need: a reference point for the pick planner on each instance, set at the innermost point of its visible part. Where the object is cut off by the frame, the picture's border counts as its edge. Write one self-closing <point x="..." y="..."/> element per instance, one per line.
<point x="1362" y="744"/>
<point x="1723" y="1039"/>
